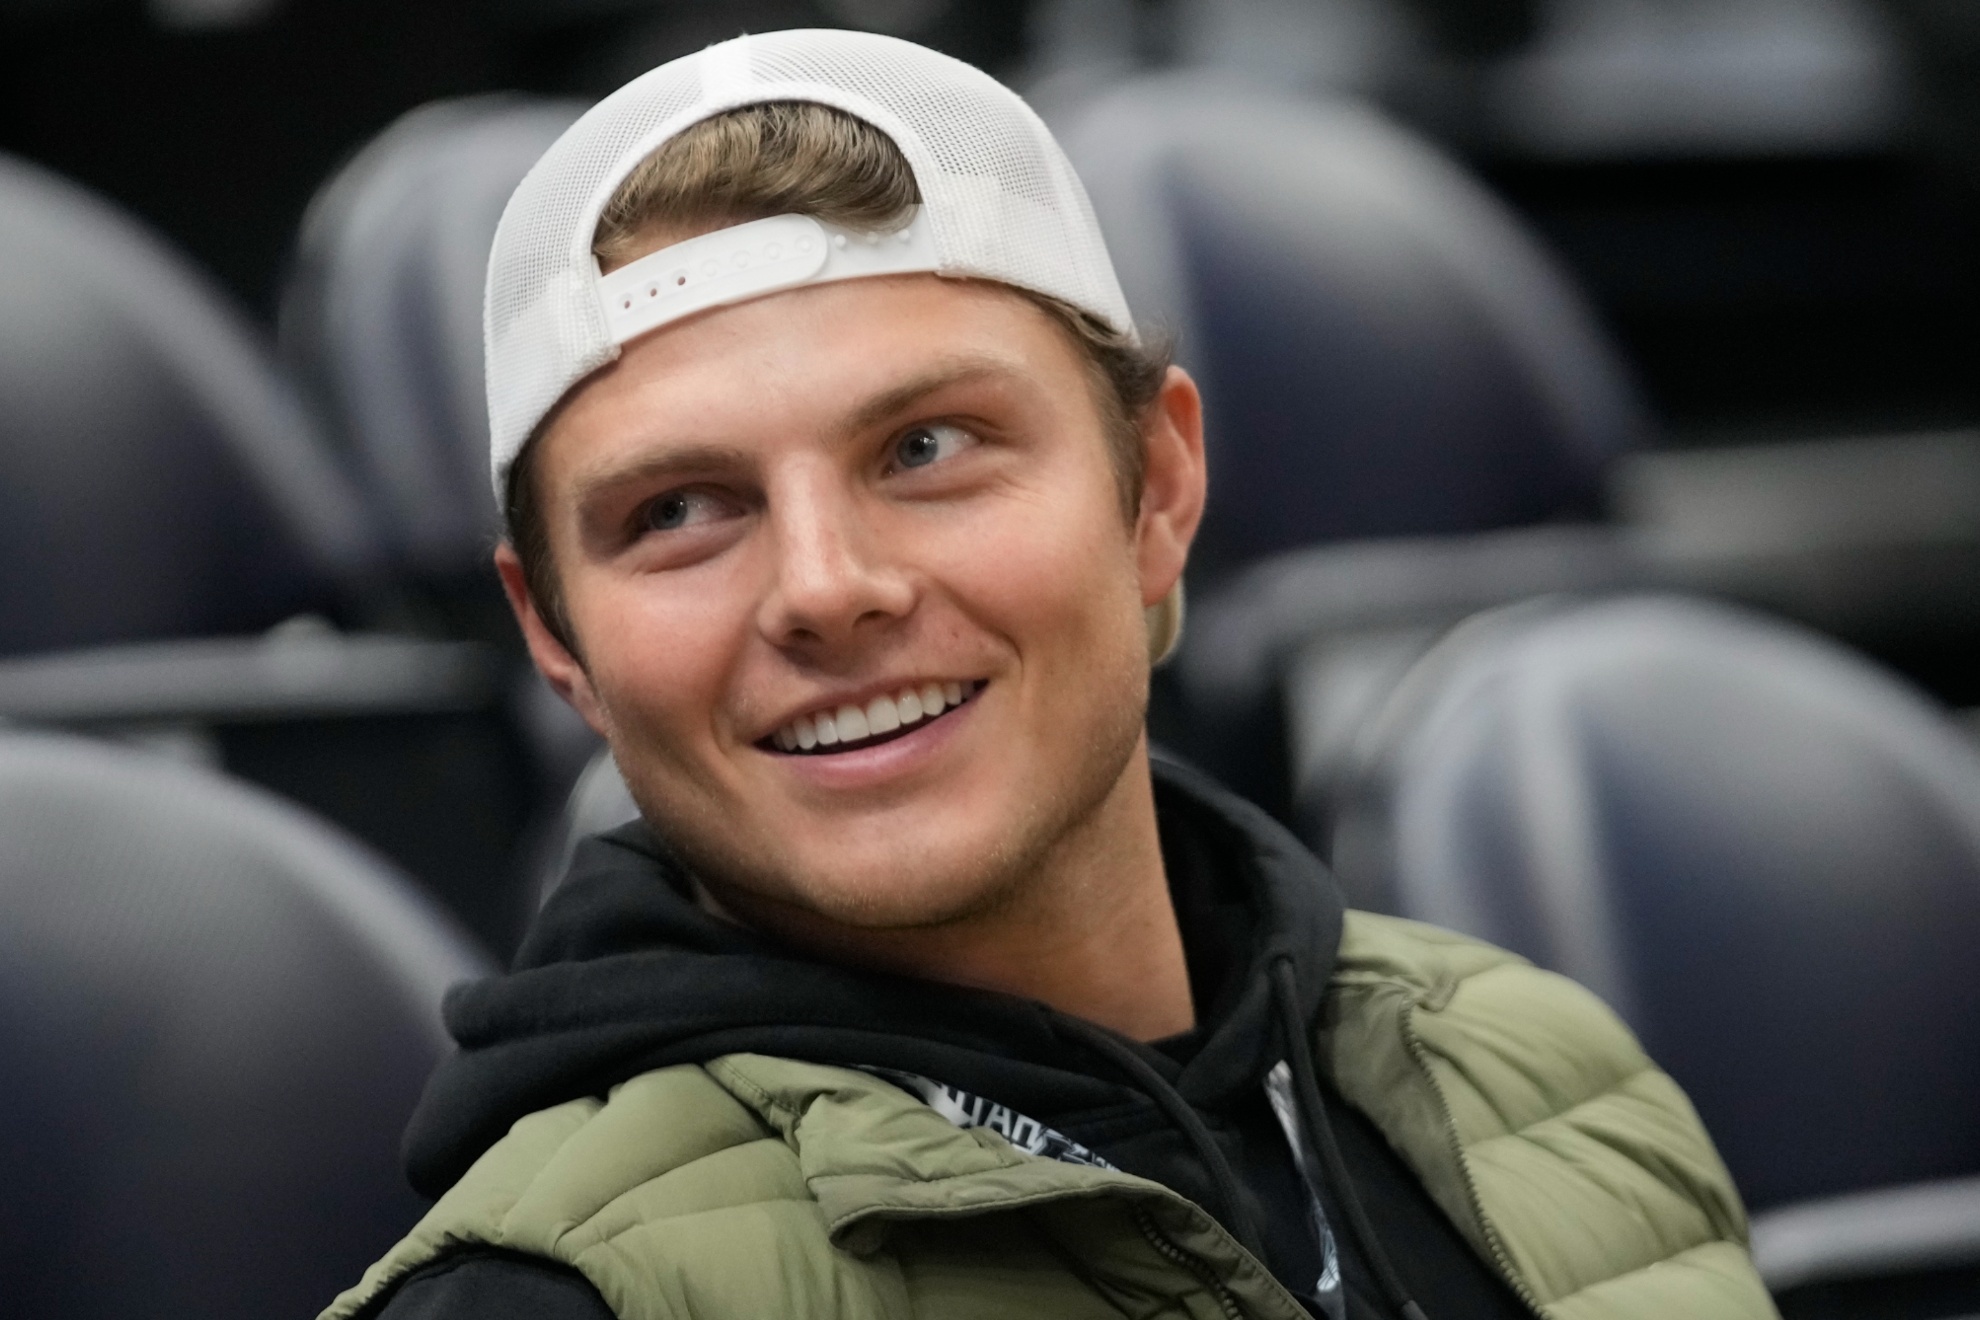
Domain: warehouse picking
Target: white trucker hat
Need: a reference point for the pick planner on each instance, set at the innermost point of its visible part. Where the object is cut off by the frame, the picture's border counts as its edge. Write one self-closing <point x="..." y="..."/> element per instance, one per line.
<point x="999" y="201"/>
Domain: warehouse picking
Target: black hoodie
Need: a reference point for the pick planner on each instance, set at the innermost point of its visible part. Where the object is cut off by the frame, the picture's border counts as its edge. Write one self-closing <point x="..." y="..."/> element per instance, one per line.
<point x="623" y="973"/>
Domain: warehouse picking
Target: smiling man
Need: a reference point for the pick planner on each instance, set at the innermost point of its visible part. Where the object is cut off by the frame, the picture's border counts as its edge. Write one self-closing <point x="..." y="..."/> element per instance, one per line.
<point x="845" y="503"/>
<point x="841" y="624"/>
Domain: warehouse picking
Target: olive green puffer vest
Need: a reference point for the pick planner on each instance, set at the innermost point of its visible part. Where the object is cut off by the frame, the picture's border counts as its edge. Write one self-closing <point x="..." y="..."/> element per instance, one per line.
<point x="754" y="1187"/>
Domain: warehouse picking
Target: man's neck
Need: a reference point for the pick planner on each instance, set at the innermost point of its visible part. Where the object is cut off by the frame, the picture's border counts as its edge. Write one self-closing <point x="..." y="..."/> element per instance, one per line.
<point x="1092" y="932"/>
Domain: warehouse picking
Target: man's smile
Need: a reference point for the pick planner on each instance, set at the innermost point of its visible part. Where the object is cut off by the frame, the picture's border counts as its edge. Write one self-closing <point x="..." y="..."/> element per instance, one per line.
<point x="849" y="726"/>
<point x="871" y="638"/>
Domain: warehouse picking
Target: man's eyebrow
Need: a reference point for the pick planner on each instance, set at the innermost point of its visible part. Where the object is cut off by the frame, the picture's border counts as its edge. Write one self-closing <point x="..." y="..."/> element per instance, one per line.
<point x="590" y="487"/>
<point x="954" y="371"/>
<point x="594" y="485"/>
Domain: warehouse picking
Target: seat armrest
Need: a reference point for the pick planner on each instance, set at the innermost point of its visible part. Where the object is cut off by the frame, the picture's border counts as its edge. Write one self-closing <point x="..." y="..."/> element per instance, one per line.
<point x="1893" y="1230"/>
<point x="224" y="680"/>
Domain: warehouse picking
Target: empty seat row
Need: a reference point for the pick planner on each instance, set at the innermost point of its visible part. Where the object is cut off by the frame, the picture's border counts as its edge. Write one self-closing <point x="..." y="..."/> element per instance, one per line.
<point x="199" y="561"/>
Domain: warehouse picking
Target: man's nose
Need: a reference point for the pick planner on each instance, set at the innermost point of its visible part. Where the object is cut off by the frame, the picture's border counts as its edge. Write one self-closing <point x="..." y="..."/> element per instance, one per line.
<point x="834" y="575"/>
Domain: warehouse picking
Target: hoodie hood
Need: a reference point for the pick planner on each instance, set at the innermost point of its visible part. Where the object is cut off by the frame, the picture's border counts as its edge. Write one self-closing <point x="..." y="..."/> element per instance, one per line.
<point x="621" y="973"/>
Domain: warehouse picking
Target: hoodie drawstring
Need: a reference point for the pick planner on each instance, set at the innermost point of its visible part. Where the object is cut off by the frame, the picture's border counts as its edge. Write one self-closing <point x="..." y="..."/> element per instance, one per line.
<point x="1313" y="1114"/>
<point x="1236" y="1217"/>
<point x="1306" y="1090"/>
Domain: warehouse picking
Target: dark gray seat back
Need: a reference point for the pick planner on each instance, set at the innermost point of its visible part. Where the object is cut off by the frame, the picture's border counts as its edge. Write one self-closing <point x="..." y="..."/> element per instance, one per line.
<point x="216" y="1015"/>
<point x="1384" y="351"/>
<point x="382" y="315"/>
<point x="156" y="480"/>
<point x="381" y="321"/>
<point x="1761" y="849"/>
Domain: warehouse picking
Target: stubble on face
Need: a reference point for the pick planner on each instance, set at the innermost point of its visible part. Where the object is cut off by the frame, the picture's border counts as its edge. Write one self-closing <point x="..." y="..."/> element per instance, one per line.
<point x="1037" y="868"/>
<point x="1068" y="670"/>
<point x="1046" y="857"/>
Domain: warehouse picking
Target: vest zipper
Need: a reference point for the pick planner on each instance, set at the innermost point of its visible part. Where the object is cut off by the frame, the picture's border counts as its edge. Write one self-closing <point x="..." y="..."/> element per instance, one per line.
<point x="1500" y="1257"/>
<point x="1177" y="1256"/>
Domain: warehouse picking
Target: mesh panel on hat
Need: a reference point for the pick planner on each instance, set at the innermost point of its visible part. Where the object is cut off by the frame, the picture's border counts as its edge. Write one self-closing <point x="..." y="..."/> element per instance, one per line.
<point x="1002" y="200"/>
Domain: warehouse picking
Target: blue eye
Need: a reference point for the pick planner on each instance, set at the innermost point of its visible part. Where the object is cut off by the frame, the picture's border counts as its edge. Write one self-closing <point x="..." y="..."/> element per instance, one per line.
<point x="677" y="509"/>
<point x="921" y="445"/>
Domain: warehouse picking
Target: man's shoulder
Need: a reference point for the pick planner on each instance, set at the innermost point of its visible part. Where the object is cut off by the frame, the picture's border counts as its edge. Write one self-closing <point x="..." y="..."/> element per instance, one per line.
<point x="1525" y="1043"/>
<point x="585" y="1151"/>
<point x="1525" y="1105"/>
<point x="685" y="1179"/>
<point x="576" y="1183"/>
<point x="1430" y="994"/>
<point x="1411" y="954"/>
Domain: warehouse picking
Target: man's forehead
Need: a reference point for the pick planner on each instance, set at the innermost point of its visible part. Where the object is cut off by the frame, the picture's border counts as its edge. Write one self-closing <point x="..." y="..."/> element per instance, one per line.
<point x="828" y="363"/>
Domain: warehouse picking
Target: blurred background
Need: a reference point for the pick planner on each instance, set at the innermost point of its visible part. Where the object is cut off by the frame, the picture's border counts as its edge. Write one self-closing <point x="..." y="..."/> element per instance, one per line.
<point x="1593" y="561"/>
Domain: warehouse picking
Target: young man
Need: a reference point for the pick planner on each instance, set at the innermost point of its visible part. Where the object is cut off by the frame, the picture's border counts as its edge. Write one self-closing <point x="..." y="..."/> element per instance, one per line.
<point x="844" y="503"/>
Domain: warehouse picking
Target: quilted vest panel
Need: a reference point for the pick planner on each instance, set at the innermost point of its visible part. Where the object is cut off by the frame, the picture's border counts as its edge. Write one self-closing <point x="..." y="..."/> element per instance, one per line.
<point x="770" y="1188"/>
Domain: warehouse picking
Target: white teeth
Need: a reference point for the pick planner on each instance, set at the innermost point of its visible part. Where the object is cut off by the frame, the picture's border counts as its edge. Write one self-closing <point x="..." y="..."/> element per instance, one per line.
<point x="882" y="715"/>
<point x="852" y="723"/>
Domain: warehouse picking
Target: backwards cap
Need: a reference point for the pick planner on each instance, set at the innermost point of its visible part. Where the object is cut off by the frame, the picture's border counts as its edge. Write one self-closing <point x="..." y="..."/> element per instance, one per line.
<point x="999" y="201"/>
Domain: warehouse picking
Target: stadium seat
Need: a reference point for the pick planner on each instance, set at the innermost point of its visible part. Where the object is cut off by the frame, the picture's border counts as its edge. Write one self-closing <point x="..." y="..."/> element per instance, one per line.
<point x="156" y="480"/>
<point x="168" y="510"/>
<point x="381" y="322"/>
<point x="1329" y="621"/>
<point x="1875" y="542"/>
<point x="216" y="1015"/>
<point x="1384" y="351"/>
<point x="1762" y="850"/>
<point x="382" y="315"/>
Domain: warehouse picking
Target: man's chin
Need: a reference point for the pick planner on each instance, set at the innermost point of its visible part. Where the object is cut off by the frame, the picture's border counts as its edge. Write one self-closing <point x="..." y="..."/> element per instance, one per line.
<point x="832" y="881"/>
<point x="869" y="908"/>
<point x="866" y="897"/>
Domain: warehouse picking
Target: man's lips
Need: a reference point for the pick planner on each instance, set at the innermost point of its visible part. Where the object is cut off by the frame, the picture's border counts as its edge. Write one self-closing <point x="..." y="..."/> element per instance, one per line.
<point x="847" y="727"/>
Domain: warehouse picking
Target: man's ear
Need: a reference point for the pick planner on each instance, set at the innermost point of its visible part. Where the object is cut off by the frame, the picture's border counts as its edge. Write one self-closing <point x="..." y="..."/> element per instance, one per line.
<point x="562" y="670"/>
<point x="1173" y="486"/>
